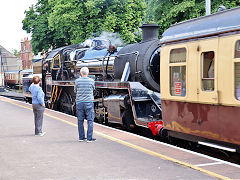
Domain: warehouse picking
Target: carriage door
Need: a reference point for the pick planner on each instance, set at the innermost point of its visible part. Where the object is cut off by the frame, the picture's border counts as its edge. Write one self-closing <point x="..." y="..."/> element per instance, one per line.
<point x="207" y="91"/>
<point x="207" y="86"/>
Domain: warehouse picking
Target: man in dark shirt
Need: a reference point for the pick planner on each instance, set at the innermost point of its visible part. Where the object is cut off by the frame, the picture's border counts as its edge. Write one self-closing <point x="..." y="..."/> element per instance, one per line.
<point x="84" y="87"/>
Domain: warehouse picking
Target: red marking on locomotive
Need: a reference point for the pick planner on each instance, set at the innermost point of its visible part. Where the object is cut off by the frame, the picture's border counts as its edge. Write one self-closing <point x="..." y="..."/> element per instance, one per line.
<point x="155" y="127"/>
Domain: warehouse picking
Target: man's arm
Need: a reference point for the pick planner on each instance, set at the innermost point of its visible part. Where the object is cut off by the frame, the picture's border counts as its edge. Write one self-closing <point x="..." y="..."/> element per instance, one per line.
<point x="30" y="88"/>
<point x="93" y="84"/>
<point x="40" y="97"/>
<point x="75" y="86"/>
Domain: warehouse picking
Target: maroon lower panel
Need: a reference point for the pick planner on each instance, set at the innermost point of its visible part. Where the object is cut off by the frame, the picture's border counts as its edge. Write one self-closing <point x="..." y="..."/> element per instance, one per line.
<point x="217" y="122"/>
<point x="11" y="81"/>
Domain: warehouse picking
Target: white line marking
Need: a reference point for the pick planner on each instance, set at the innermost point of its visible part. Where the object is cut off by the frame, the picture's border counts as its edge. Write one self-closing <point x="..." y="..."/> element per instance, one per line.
<point x="216" y="146"/>
<point x="162" y="143"/>
<point x="208" y="164"/>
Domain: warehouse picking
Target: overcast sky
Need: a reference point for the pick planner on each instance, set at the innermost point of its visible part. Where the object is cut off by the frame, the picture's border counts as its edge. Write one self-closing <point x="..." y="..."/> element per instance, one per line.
<point x="11" y="16"/>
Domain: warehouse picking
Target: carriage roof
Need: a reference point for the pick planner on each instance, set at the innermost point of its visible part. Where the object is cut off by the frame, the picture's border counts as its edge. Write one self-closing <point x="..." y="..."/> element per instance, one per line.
<point x="11" y="72"/>
<point x="27" y="71"/>
<point x="220" y="22"/>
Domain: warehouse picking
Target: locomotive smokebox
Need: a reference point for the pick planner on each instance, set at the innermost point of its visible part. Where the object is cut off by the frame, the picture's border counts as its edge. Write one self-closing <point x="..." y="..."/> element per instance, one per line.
<point x="149" y="32"/>
<point x="143" y="58"/>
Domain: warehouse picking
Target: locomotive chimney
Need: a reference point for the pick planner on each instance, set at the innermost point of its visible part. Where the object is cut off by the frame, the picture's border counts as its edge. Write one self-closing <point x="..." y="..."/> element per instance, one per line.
<point x="149" y="32"/>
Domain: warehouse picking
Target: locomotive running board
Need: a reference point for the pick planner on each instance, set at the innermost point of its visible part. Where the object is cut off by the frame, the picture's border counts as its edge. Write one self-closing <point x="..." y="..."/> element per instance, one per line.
<point x="217" y="146"/>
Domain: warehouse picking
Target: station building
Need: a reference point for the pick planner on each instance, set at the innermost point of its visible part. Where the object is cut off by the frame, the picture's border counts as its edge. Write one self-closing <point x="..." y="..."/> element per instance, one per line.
<point x="8" y="62"/>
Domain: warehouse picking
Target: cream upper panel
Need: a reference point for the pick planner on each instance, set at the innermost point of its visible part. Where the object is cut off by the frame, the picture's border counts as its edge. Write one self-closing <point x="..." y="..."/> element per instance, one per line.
<point x="165" y="66"/>
<point x="226" y="70"/>
<point x="224" y="79"/>
<point x="192" y="71"/>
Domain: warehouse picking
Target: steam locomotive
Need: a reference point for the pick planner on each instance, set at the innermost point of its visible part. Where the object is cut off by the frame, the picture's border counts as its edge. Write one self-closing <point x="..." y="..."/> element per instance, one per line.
<point x="192" y="105"/>
<point x="126" y="80"/>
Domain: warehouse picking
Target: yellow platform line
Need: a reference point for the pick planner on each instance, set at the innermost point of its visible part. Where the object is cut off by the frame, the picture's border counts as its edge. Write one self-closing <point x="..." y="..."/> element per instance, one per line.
<point x="139" y="148"/>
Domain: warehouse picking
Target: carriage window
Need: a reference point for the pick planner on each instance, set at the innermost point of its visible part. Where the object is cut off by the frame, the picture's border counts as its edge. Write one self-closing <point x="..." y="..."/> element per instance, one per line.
<point x="208" y="71"/>
<point x="237" y="50"/>
<point x="178" y="80"/>
<point x="56" y="62"/>
<point x="178" y="55"/>
<point x="237" y="80"/>
<point x="178" y="72"/>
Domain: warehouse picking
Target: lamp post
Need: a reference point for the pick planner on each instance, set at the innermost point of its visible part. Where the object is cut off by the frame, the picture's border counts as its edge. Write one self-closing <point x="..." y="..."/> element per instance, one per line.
<point x="208" y="7"/>
<point x="4" y="80"/>
<point x="1" y="67"/>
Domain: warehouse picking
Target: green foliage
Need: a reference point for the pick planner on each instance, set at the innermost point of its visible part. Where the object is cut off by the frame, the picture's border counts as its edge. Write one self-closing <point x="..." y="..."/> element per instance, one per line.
<point x="78" y="20"/>
<point x="36" y="22"/>
<point x="15" y="52"/>
<point x="55" y="23"/>
<point x="168" y="12"/>
<point x="227" y="3"/>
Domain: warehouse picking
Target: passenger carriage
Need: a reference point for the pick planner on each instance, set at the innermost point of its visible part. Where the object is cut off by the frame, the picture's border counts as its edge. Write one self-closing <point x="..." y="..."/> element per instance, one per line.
<point x="200" y="80"/>
<point x="14" y="78"/>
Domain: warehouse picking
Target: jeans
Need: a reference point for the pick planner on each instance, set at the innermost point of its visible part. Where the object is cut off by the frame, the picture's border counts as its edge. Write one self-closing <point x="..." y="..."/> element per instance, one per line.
<point x="85" y="109"/>
<point x="38" y="110"/>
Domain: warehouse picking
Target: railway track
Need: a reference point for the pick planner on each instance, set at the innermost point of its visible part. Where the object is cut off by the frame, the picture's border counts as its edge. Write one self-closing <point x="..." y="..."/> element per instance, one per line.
<point x="13" y="94"/>
<point x="14" y="97"/>
<point x="191" y="146"/>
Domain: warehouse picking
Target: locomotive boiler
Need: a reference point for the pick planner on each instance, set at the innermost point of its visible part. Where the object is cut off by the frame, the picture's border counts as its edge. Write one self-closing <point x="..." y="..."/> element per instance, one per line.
<point x="126" y="80"/>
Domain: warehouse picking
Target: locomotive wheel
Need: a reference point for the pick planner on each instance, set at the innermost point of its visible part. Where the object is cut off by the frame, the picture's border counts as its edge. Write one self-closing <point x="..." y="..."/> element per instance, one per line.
<point x="28" y="100"/>
<point x="65" y="103"/>
<point x="100" y="119"/>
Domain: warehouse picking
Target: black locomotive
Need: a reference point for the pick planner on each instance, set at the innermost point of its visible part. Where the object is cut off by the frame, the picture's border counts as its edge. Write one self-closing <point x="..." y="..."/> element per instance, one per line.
<point x="127" y="79"/>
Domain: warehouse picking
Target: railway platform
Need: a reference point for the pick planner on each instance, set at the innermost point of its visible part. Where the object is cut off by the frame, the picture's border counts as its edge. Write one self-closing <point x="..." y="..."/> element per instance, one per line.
<point x="12" y="93"/>
<point x="115" y="154"/>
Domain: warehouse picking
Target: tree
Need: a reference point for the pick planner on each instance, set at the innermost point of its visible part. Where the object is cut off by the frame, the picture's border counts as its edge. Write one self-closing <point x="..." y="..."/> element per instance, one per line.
<point x="56" y="23"/>
<point x="36" y="22"/>
<point x="78" y="20"/>
<point x="168" y="12"/>
<point x="15" y="52"/>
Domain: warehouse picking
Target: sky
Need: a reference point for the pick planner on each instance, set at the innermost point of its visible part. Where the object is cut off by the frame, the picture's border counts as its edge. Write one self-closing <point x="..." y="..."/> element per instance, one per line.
<point x="11" y="16"/>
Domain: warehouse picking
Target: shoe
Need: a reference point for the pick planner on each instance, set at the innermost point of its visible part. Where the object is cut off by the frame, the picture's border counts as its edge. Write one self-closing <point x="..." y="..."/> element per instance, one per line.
<point x="92" y="140"/>
<point x="40" y="134"/>
<point x="81" y="140"/>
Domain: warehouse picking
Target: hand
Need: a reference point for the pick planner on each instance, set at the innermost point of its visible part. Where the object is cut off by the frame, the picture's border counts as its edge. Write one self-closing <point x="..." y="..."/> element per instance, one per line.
<point x="43" y="105"/>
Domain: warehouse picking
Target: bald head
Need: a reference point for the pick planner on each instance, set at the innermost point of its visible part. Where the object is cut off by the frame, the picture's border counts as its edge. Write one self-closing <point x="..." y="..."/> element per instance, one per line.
<point x="84" y="71"/>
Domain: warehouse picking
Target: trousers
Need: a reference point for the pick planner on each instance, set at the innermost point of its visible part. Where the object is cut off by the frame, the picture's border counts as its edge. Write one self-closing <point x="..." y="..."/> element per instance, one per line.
<point x="38" y="110"/>
<point x="85" y="109"/>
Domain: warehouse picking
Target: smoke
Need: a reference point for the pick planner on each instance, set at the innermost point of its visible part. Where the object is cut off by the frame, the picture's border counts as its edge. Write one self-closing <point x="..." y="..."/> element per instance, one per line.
<point x="113" y="37"/>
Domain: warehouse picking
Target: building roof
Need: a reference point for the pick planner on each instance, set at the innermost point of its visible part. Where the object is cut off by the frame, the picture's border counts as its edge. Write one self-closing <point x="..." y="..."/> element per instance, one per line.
<point x="5" y="52"/>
